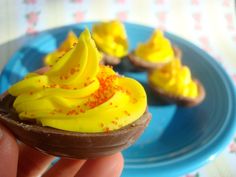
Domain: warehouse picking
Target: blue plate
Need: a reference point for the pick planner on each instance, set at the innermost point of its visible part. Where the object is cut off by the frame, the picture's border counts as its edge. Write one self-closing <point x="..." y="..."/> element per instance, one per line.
<point x="178" y="140"/>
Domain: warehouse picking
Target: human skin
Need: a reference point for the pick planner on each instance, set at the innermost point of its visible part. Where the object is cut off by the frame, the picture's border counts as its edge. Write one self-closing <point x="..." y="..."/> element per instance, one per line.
<point x="17" y="159"/>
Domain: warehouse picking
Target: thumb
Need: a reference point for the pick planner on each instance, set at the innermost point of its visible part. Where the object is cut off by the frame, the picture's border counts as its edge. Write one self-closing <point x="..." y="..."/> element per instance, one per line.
<point x="8" y="153"/>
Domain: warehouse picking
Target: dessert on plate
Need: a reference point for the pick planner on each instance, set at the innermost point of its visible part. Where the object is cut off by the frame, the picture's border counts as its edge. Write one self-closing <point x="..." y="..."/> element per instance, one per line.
<point x="51" y="58"/>
<point x="77" y="108"/>
<point x="174" y="83"/>
<point x="155" y="53"/>
<point x="111" y="39"/>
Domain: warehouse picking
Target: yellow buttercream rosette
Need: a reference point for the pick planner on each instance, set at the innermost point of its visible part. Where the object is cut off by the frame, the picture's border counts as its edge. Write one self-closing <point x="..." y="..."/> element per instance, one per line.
<point x="157" y="49"/>
<point x="51" y="58"/>
<point x="78" y="94"/>
<point x="175" y="79"/>
<point x="111" y="38"/>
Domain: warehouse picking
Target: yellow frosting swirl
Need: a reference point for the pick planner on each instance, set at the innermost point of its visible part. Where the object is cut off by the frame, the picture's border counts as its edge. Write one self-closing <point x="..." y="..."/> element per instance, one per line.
<point x="53" y="57"/>
<point x="175" y="79"/>
<point x="78" y="94"/>
<point x="157" y="49"/>
<point x="111" y="38"/>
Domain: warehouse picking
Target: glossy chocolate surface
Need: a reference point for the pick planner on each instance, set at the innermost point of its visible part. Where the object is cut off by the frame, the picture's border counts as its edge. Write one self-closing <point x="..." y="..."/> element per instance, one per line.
<point x="66" y="143"/>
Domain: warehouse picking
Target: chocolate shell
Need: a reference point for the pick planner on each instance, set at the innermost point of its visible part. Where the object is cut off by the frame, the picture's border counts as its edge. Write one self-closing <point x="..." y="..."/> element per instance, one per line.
<point x="179" y="100"/>
<point x="142" y="64"/>
<point x="66" y="143"/>
<point x="109" y="59"/>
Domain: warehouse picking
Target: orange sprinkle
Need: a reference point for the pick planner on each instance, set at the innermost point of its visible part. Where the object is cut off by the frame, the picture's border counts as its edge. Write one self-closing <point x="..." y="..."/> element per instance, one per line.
<point x="81" y="110"/>
<point x="72" y="112"/>
<point x="72" y="71"/>
<point x="65" y="87"/>
<point x="127" y="92"/>
<point x="53" y="86"/>
<point x="127" y="113"/>
<point x="106" y="130"/>
<point x="106" y="90"/>
<point x="114" y="122"/>
<point x="134" y="100"/>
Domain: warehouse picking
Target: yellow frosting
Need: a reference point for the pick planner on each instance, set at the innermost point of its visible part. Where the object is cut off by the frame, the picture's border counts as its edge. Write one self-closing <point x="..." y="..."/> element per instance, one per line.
<point x="175" y="79"/>
<point x="78" y="94"/>
<point x="111" y="38"/>
<point x="53" y="57"/>
<point x="157" y="49"/>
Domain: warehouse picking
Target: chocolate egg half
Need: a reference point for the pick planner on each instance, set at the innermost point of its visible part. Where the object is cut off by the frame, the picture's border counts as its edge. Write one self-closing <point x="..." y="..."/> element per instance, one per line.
<point x="142" y="64"/>
<point x="66" y="143"/>
<point x="180" y="100"/>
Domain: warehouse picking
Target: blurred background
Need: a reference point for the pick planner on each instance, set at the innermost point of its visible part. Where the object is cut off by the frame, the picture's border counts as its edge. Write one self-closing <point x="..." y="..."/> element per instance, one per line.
<point x="210" y="24"/>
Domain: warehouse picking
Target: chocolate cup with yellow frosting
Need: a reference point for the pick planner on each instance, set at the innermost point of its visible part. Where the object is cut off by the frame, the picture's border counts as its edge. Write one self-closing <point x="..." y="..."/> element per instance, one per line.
<point x="167" y="97"/>
<point x="142" y="64"/>
<point x="66" y="143"/>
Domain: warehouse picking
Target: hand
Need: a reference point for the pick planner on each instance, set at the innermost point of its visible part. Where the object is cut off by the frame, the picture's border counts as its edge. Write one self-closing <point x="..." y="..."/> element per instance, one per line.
<point x="17" y="159"/>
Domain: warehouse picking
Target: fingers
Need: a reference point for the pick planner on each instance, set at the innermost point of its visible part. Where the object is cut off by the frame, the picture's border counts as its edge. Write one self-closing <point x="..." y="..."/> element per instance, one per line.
<point x="110" y="166"/>
<point x="64" y="168"/>
<point x="32" y="162"/>
<point x="8" y="153"/>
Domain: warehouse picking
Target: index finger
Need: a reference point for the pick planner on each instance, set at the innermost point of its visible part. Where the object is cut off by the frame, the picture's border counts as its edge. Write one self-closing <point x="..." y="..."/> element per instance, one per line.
<point x="8" y="153"/>
<point x="108" y="166"/>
